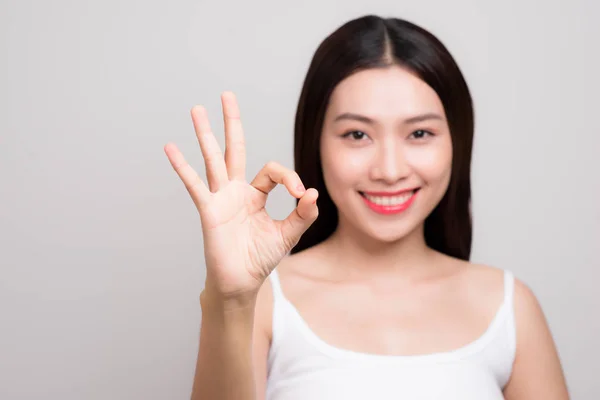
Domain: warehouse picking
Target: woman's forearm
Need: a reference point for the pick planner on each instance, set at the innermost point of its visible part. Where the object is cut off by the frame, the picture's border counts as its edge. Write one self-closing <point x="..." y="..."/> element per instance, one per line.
<point x="224" y="368"/>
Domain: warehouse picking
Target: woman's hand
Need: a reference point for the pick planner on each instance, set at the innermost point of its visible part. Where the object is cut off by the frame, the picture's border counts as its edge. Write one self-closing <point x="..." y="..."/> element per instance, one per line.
<point x="242" y="244"/>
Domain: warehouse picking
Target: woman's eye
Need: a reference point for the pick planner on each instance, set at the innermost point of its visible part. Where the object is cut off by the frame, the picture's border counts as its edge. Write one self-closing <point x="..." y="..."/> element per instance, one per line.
<point x="356" y="135"/>
<point x="420" y="134"/>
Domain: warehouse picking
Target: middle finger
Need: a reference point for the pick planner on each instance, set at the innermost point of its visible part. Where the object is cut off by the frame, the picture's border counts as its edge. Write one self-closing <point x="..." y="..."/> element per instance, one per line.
<point x="235" y="149"/>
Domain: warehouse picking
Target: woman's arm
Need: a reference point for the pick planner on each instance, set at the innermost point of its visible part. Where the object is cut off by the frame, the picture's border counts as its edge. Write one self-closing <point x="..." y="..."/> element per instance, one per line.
<point x="224" y="369"/>
<point x="232" y="358"/>
<point x="537" y="372"/>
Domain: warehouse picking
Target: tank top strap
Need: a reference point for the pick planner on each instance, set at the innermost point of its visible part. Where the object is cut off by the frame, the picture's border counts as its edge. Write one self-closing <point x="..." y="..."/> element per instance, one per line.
<point x="509" y="287"/>
<point x="276" y="286"/>
<point x="279" y="309"/>
<point x="509" y="292"/>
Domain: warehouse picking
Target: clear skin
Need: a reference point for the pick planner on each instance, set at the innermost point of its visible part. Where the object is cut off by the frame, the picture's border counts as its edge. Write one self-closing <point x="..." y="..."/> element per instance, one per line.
<point x="396" y="137"/>
<point x="242" y="245"/>
<point x="393" y="135"/>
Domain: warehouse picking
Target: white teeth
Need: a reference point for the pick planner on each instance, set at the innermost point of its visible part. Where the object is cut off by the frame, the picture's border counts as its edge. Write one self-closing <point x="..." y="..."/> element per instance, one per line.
<point x="390" y="200"/>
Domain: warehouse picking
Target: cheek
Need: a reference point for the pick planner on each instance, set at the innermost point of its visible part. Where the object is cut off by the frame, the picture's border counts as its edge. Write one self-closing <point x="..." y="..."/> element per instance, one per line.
<point x="343" y="170"/>
<point x="343" y="167"/>
<point x="432" y="163"/>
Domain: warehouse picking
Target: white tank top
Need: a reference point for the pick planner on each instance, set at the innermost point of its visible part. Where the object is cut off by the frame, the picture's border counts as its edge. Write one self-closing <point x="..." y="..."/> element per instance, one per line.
<point x="301" y="366"/>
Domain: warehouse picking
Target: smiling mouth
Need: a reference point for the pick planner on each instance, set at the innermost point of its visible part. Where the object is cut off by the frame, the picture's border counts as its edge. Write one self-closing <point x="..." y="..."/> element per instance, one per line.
<point x="390" y="200"/>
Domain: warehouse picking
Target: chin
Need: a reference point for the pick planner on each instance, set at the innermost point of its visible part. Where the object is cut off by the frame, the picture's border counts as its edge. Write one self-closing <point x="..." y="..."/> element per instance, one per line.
<point x="389" y="233"/>
<point x="371" y="226"/>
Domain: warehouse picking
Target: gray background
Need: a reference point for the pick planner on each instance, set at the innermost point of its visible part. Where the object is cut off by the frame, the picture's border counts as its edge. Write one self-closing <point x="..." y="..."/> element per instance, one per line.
<point x="101" y="259"/>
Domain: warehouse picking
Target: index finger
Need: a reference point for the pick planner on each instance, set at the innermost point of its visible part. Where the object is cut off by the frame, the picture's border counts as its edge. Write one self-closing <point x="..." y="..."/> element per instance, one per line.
<point x="273" y="174"/>
<point x="196" y="188"/>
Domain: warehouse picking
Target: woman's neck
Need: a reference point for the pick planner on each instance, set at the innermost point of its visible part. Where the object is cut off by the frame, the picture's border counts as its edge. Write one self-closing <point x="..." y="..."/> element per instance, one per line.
<point x="355" y="255"/>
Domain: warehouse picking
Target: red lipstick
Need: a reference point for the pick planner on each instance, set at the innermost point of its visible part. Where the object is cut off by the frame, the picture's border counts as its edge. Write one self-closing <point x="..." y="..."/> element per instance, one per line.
<point x="390" y="209"/>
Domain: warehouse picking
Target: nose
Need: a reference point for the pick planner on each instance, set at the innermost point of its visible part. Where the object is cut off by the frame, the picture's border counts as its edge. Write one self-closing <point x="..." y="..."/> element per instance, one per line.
<point x="390" y="164"/>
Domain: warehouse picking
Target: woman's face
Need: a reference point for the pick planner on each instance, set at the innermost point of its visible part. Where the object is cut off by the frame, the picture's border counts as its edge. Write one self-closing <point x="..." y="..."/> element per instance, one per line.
<point x="386" y="152"/>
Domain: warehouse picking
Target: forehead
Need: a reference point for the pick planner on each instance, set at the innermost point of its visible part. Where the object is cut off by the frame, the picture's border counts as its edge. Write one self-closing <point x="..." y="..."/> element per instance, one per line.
<point x="384" y="92"/>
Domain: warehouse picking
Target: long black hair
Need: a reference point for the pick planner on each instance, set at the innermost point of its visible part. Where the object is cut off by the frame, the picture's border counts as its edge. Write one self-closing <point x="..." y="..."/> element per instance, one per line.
<point x="375" y="42"/>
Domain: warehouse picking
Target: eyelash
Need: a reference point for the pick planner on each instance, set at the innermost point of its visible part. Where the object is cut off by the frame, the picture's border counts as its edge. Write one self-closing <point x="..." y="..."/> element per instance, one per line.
<point x="351" y="133"/>
<point x="427" y="133"/>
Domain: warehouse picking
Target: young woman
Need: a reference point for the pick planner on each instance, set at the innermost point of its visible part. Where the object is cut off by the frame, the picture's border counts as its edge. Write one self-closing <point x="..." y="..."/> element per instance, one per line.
<point x="378" y="298"/>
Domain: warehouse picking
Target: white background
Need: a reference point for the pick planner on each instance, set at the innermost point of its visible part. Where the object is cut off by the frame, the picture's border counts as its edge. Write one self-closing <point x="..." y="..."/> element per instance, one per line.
<point x="101" y="260"/>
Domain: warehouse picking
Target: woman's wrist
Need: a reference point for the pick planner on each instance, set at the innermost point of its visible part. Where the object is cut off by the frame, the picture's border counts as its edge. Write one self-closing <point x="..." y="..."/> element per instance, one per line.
<point x="213" y="299"/>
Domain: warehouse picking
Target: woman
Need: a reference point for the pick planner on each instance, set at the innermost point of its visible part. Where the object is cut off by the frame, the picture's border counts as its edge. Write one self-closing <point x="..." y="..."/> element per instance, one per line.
<point x="378" y="298"/>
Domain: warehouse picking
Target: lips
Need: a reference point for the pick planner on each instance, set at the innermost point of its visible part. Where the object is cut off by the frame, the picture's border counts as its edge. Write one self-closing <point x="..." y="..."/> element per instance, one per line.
<point x="384" y="194"/>
<point x="389" y="202"/>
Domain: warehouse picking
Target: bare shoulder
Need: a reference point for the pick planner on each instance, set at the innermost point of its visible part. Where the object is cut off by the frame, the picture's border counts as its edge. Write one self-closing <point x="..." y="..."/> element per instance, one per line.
<point x="490" y="279"/>
<point x="526" y="302"/>
<point x="485" y="276"/>
<point x="290" y="271"/>
<point x="537" y="370"/>
<point x="484" y="285"/>
<point x="530" y="319"/>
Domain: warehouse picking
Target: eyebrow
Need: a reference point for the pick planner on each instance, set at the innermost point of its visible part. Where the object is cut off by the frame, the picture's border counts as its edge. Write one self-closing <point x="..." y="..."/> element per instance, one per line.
<point x="367" y="120"/>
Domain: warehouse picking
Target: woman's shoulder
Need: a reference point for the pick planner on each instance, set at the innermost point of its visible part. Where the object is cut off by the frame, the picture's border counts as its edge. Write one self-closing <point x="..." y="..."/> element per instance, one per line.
<point x="494" y="285"/>
<point x="493" y="279"/>
<point x="483" y="277"/>
<point x="290" y="273"/>
<point x="484" y="287"/>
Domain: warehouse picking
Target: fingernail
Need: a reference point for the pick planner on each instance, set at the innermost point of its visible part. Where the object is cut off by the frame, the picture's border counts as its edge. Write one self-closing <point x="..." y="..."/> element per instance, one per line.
<point x="300" y="187"/>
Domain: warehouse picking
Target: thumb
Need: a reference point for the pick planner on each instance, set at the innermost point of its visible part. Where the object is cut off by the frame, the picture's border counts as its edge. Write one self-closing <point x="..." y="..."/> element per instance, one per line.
<point x="300" y="219"/>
